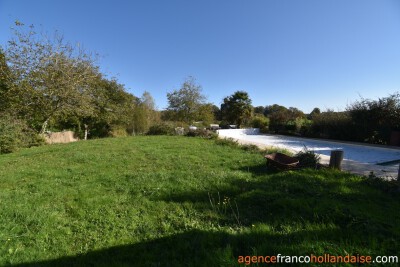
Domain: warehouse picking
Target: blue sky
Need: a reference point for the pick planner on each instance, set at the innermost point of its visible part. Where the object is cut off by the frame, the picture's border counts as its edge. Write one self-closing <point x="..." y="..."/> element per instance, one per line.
<point x="304" y="54"/>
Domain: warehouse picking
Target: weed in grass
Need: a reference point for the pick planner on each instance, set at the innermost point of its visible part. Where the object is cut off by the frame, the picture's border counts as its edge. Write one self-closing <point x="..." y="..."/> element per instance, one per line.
<point x="223" y="206"/>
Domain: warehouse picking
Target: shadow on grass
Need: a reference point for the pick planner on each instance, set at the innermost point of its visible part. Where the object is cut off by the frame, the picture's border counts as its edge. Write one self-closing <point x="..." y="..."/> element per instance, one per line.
<point x="192" y="248"/>
<point x="364" y="210"/>
<point x="291" y="213"/>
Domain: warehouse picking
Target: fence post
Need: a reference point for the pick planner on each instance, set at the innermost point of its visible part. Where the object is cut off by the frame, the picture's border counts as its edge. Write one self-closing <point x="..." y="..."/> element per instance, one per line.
<point x="336" y="159"/>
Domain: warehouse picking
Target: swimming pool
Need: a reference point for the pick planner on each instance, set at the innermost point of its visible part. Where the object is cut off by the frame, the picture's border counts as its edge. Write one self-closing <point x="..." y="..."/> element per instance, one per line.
<point x="355" y="152"/>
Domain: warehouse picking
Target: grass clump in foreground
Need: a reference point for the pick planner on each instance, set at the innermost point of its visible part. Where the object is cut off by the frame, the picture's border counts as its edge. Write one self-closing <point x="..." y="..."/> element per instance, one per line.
<point x="178" y="201"/>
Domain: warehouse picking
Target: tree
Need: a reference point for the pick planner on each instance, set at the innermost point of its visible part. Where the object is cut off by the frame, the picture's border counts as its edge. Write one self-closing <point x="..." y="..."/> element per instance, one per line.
<point x="49" y="76"/>
<point x="284" y="119"/>
<point x="335" y="125"/>
<point x="236" y="109"/>
<point x="206" y="114"/>
<point x="185" y="102"/>
<point x="260" y="121"/>
<point x="144" y="114"/>
<point x="114" y="109"/>
<point x="4" y="89"/>
<point x="278" y="116"/>
<point x="113" y="112"/>
<point x="275" y="108"/>
<point x="295" y="113"/>
<point x="314" y="112"/>
<point x="259" y="110"/>
<point x="217" y="112"/>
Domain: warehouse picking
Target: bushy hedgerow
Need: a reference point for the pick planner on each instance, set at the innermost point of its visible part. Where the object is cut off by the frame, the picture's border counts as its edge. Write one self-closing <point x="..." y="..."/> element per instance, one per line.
<point x="202" y="133"/>
<point x="162" y="128"/>
<point x="334" y="125"/>
<point x="261" y="122"/>
<point x="15" y="134"/>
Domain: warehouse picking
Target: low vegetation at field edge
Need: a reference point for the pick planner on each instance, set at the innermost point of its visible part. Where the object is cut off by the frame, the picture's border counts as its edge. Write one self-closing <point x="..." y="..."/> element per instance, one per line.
<point x="179" y="201"/>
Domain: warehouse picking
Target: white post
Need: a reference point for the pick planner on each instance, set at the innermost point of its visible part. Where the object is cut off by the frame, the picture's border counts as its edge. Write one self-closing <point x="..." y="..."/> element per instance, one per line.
<point x="86" y="131"/>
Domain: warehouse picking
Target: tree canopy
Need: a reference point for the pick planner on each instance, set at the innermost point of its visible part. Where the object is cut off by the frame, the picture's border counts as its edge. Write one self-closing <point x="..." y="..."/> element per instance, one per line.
<point x="50" y="83"/>
<point x="236" y="109"/>
<point x="49" y="77"/>
<point x="185" y="103"/>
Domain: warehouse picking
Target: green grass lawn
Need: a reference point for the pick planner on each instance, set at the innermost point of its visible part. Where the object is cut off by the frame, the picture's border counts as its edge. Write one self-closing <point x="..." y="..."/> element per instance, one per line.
<point x="180" y="201"/>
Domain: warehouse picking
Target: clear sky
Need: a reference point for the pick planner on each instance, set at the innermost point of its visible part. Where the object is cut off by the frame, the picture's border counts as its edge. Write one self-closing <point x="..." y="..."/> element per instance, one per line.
<point x="296" y="53"/>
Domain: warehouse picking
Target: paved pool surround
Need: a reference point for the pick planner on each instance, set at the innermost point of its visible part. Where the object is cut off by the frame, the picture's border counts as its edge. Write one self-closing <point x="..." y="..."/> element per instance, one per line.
<point x="358" y="158"/>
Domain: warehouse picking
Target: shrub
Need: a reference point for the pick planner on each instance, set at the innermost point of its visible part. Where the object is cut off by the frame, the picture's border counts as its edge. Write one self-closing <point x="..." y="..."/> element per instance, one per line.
<point x="163" y="128"/>
<point x="15" y="134"/>
<point x="290" y="127"/>
<point x="202" y="133"/>
<point x="334" y="125"/>
<point x="261" y="122"/>
<point x="375" y="119"/>
<point x="118" y="131"/>
<point x="306" y="128"/>
<point x="308" y="158"/>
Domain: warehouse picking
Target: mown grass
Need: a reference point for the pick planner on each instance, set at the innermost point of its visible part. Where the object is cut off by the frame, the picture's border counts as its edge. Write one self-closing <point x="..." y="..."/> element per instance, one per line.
<point x="180" y="201"/>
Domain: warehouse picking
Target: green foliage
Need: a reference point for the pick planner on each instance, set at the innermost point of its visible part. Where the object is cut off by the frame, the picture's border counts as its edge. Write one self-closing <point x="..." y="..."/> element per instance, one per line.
<point x="259" y="110"/>
<point x="207" y="134"/>
<point x="206" y="114"/>
<point x="285" y="120"/>
<point x="306" y="128"/>
<point x="308" y="158"/>
<point x="363" y="121"/>
<point x="113" y="108"/>
<point x="50" y="77"/>
<point x="236" y="109"/>
<point x="334" y="125"/>
<point x="153" y="201"/>
<point x="5" y="74"/>
<point x="278" y="116"/>
<point x="15" y="134"/>
<point x="118" y="131"/>
<point x="374" y="120"/>
<point x="261" y="122"/>
<point x="217" y="113"/>
<point x="10" y="136"/>
<point x="144" y="114"/>
<point x="52" y="84"/>
<point x="162" y="128"/>
<point x="314" y="112"/>
<point x="184" y="104"/>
